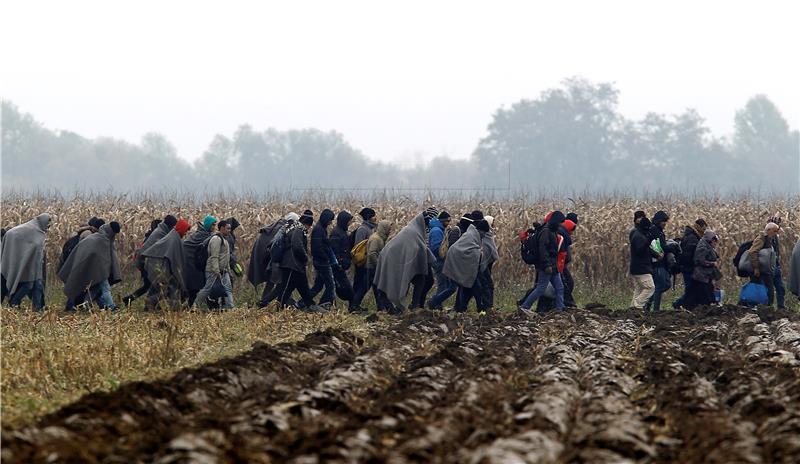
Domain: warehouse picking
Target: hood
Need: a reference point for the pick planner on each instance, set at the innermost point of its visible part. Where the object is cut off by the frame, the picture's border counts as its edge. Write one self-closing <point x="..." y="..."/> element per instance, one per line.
<point x="644" y="225"/>
<point x="343" y="219"/>
<point x="383" y="229"/>
<point x="233" y="222"/>
<point x="43" y="221"/>
<point x="555" y="219"/>
<point x="108" y="231"/>
<point x="326" y="217"/>
<point x="436" y="224"/>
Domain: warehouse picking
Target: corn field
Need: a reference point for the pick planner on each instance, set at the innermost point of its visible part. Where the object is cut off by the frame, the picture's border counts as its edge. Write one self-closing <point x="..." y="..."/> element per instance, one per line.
<point x="601" y="241"/>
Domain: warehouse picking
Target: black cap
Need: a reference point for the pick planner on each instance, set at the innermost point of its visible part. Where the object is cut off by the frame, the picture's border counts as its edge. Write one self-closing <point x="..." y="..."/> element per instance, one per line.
<point x="443" y="215"/>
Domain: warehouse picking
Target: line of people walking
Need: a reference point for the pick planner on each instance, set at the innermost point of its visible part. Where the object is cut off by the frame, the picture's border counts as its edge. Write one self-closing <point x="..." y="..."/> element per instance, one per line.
<point x="183" y="268"/>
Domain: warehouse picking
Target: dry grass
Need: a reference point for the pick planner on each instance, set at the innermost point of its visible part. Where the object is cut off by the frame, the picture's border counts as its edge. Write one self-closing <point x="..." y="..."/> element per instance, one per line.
<point x="50" y="360"/>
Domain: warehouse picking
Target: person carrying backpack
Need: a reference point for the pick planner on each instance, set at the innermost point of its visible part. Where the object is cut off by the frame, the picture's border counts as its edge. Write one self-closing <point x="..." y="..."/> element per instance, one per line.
<point x="194" y="253"/>
<point x="361" y="281"/>
<point x="218" y="268"/>
<point x="547" y="262"/>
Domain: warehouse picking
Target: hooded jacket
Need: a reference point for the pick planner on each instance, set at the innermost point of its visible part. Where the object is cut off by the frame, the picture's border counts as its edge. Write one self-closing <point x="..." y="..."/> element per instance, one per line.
<point x="435" y="237"/>
<point x="231" y="239"/>
<point x="464" y="258"/>
<point x="657" y="233"/>
<point x="342" y="243"/>
<point x="23" y="256"/>
<point x="376" y="243"/>
<point x="167" y="254"/>
<point x="402" y="259"/>
<point x="691" y="237"/>
<point x="321" y="251"/>
<point x="641" y="253"/>
<point x="548" y="241"/>
<point x="704" y="258"/>
<point x="92" y="261"/>
<point x="295" y="256"/>
<point x="794" y="270"/>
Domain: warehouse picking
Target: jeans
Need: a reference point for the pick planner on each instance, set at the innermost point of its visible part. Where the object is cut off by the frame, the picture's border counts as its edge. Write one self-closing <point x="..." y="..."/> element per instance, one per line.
<point x="688" y="283"/>
<point x="444" y="287"/>
<point x="202" y="295"/>
<point x="661" y="280"/>
<point x="98" y="293"/>
<point x="33" y="289"/>
<point x="780" y="289"/>
<point x="323" y="278"/>
<point x="543" y="279"/>
<point x="362" y="282"/>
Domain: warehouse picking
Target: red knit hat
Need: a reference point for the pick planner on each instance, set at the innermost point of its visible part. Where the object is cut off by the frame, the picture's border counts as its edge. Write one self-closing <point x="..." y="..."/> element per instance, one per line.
<point x="182" y="227"/>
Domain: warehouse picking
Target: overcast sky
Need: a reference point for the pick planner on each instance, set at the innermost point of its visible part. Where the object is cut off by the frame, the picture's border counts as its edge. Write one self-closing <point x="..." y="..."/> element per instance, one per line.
<point x="401" y="80"/>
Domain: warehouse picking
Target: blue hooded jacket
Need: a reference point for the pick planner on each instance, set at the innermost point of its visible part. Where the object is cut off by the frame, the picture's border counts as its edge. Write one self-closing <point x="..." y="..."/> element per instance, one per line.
<point x="435" y="237"/>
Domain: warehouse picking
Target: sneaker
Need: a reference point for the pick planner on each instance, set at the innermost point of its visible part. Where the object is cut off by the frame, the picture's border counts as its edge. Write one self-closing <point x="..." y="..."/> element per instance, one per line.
<point x="525" y="311"/>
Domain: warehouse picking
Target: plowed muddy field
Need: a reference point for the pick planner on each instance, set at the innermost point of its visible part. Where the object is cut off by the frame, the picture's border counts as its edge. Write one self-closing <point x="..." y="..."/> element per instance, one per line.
<point x="713" y="385"/>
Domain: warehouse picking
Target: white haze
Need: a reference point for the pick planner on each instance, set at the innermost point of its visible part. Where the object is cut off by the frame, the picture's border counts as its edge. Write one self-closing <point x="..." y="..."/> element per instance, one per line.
<point x="403" y="81"/>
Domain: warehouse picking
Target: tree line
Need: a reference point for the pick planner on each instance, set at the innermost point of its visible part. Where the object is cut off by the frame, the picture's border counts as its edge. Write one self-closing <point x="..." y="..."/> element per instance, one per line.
<point x="569" y="137"/>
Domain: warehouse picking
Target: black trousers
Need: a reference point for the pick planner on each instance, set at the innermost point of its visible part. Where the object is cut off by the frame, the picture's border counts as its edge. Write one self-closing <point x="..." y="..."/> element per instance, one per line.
<point x="294" y="280"/>
<point x="422" y="285"/>
<point x="569" y="286"/>
<point x="467" y="293"/>
<point x="146" y="284"/>
<point x="168" y="291"/>
<point x="699" y="294"/>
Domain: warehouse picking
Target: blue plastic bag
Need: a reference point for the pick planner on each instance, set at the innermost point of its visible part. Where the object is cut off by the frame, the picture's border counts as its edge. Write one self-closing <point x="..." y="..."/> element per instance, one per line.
<point x="753" y="294"/>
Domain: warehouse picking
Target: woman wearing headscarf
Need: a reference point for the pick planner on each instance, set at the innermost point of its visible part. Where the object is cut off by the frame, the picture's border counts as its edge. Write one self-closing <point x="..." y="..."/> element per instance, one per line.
<point x="706" y="272"/>
<point x="92" y="267"/>
<point x="405" y="259"/>
<point x="23" y="261"/>
<point x="163" y="262"/>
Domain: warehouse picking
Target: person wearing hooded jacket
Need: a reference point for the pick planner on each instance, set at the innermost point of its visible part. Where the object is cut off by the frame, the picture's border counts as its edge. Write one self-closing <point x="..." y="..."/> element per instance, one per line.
<point x="164" y="263"/>
<point x="218" y="267"/>
<point x="323" y="259"/>
<point x="547" y="271"/>
<point x="231" y="239"/>
<point x="92" y="268"/>
<point x="195" y="278"/>
<point x="342" y="242"/>
<point x="23" y="261"/>
<point x="361" y="281"/>
<point x="661" y="276"/>
<point x="692" y="234"/>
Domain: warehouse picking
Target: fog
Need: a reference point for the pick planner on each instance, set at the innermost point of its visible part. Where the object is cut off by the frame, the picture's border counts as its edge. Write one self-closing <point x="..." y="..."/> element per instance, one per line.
<point x="270" y="95"/>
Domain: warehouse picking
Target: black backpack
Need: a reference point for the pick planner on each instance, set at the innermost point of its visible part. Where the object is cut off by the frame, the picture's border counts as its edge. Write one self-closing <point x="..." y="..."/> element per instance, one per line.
<point x="739" y="253"/>
<point x="201" y="254"/>
<point x="69" y="245"/>
<point x="529" y="248"/>
<point x="278" y="246"/>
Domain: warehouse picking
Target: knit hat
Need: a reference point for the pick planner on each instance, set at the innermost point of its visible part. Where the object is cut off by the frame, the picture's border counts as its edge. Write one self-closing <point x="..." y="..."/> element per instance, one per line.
<point x="307" y="218"/>
<point x="170" y="221"/>
<point x="443" y="215"/>
<point x="482" y="225"/>
<point x="477" y="215"/>
<point x="430" y="213"/>
<point x="367" y="213"/>
<point x="208" y="222"/>
<point x="115" y="227"/>
<point x="771" y="226"/>
<point x="96" y="222"/>
<point x="660" y="216"/>
<point x="291" y="217"/>
<point x="490" y="220"/>
<point x="776" y="218"/>
<point x="181" y="227"/>
<point x="573" y="217"/>
<point x="639" y="215"/>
